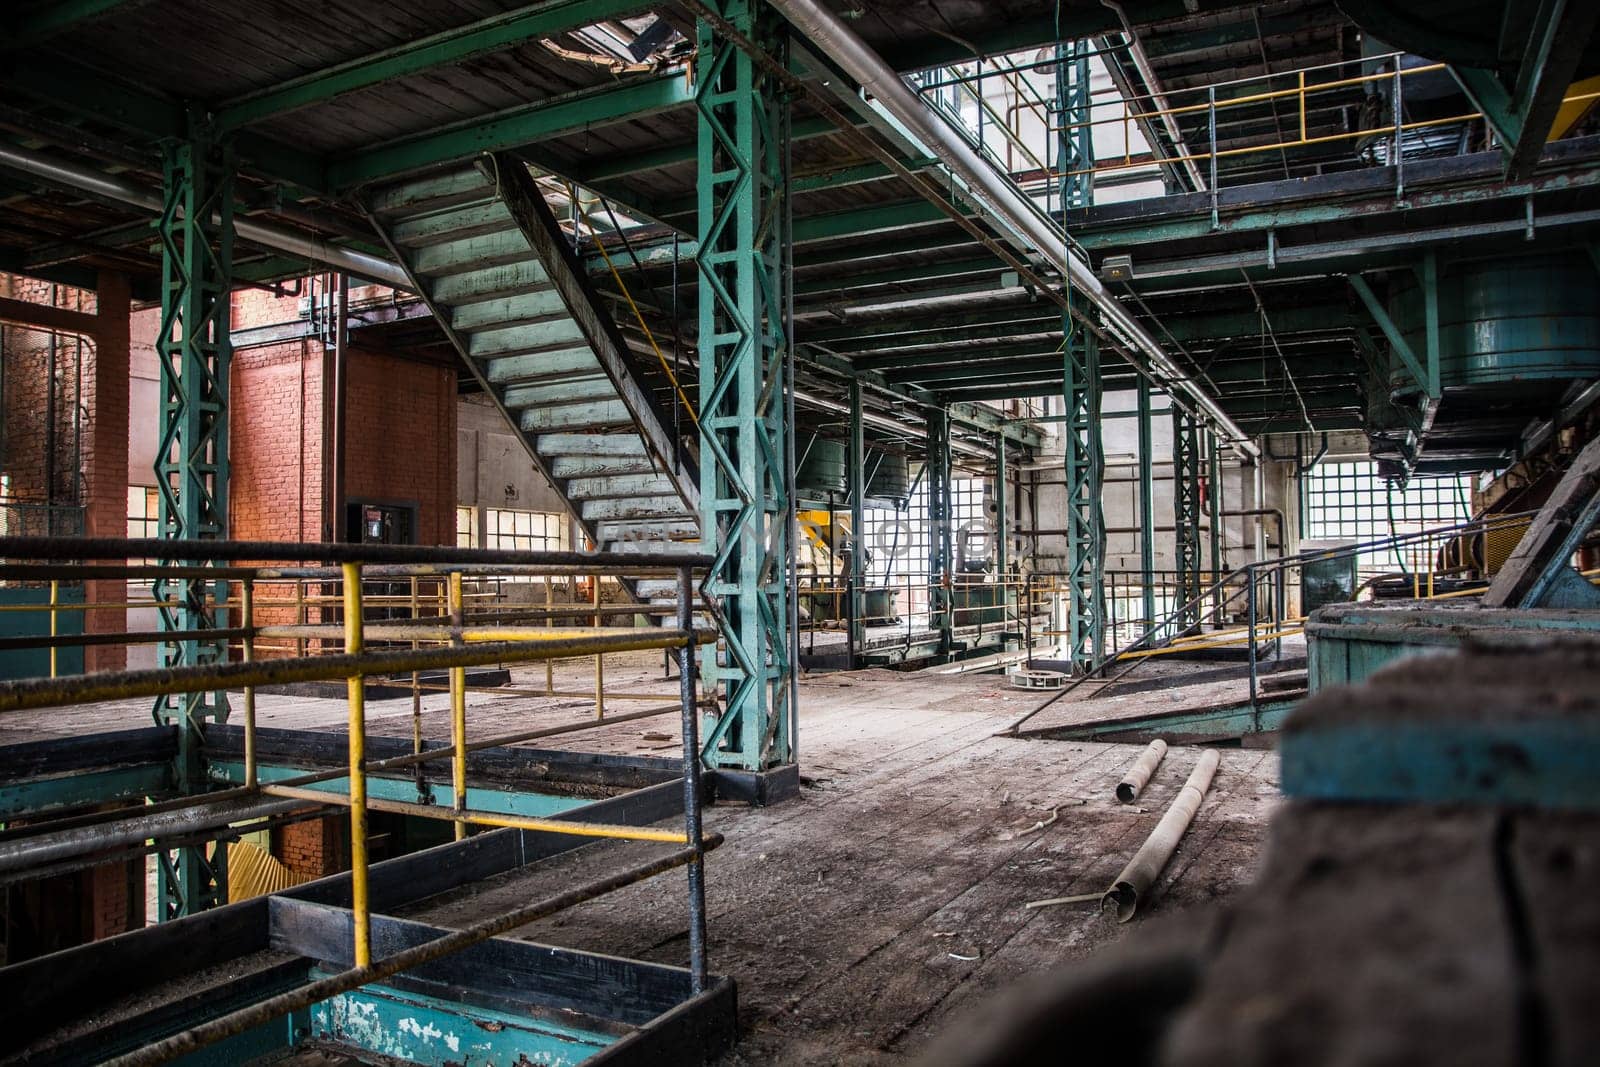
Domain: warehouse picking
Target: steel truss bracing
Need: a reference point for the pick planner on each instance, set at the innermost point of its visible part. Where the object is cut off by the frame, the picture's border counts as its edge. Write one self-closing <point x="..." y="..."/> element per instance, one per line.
<point x="941" y="534"/>
<point x="743" y="501"/>
<point x="1084" y="459"/>
<point x="1075" y="137"/>
<point x="196" y="237"/>
<point x="1186" y="505"/>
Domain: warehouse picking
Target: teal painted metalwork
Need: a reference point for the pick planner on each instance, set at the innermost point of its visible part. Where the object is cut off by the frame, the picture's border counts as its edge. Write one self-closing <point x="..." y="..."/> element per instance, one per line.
<point x="743" y="499"/>
<point x="1075" y="139"/>
<point x="1214" y="518"/>
<point x="1496" y="320"/>
<point x="1233" y="720"/>
<point x="193" y="350"/>
<point x="1548" y="762"/>
<point x="941" y="534"/>
<point x="502" y="801"/>
<point x="1147" y="508"/>
<point x="1186" y="516"/>
<point x="35" y="662"/>
<point x="448" y="47"/>
<point x="416" y="1028"/>
<point x="858" y="522"/>
<point x="1085" y="464"/>
<point x="18" y="799"/>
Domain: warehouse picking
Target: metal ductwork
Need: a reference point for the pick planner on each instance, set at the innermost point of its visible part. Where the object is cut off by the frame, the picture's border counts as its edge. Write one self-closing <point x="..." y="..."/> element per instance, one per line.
<point x="996" y="192"/>
<point x="278" y="238"/>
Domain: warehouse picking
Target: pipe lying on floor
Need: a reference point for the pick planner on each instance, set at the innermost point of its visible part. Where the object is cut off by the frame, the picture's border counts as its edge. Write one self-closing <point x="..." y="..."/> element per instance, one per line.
<point x="1138" y="775"/>
<point x="1142" y="871"/>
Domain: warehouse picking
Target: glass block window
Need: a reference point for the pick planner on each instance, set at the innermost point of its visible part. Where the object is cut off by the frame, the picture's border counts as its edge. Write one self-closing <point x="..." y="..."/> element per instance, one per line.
<point x="524" y="531"/>
<point x="1349" y="502"/>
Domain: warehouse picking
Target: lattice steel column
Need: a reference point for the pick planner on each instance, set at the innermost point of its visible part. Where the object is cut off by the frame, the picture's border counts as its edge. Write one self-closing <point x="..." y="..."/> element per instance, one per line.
<point x="1186" y="475"/>
<point x="1074" y="137"/>
<point x="744" y="505"/>
<point x="1085" y="464"/>
<point x="193" y="350"/>
<point x="941" y="532"/>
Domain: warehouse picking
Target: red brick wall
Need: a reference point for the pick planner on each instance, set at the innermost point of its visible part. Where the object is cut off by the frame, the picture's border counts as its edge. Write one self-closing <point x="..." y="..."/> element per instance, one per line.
<point x="401" y="439"/>
<point x="90" y="466"/>
<point x="27" y="396"/>
<point x="275" y="443"/>
<point x="312" y="849"/>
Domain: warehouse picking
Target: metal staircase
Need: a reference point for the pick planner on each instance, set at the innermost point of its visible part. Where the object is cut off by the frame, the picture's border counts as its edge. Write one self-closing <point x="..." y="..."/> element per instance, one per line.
<point x="486" y="253"/>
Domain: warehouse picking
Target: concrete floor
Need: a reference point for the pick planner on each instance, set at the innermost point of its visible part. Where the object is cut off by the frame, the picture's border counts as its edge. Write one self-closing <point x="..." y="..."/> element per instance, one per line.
<point x="860" y="916"/>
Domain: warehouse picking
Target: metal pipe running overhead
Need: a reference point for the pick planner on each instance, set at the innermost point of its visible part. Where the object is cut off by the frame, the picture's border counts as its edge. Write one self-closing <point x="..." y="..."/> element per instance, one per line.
<point x="277" y="238"/>
<point x="1000" y="195"/>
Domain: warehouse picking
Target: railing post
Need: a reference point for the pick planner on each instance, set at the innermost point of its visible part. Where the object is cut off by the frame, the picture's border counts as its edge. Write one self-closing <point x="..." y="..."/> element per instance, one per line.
<point x="549" y="604"/>
<point x="247" y="611"/>
<point x="1399" y="158"/>
<point x="353" y="646"/>
<point x="55" y="601"/>
<point x="599" y="661"/>
<point x="1250" y="585"/>
<point x="1211" y="124"/>
<point x="691" y="784"/>
<point x="416" y="685"/>
<point x="458" y="710"/>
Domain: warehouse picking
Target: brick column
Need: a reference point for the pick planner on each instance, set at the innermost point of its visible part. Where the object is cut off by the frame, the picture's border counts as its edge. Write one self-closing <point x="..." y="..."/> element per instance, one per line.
<point x="105" y="457"/>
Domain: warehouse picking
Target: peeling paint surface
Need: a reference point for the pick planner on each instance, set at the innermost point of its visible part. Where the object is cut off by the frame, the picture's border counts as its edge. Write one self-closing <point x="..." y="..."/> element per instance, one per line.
<point x="437" y="1033"/>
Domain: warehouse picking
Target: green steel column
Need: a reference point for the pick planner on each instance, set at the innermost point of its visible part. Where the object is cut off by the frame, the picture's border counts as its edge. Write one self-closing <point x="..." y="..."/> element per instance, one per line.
<point x="1081" y="388"/>
<point x="1084" y="462"/>
<point x="744" y="503"/>
<point x="1214" y="517"/>
<point x="858" y="522"/>
<point x="1075" y="140"/>
<point x="1001" y="523"/>
<point x="941" y="536"/>
<point x="1147" y="507"/>
<point x="196" y="236"/>
<point x="1186" y="515"/>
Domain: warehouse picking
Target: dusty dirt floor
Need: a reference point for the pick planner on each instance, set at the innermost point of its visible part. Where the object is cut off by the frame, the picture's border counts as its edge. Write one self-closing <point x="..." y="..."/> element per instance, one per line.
<point x="861" y="917"/>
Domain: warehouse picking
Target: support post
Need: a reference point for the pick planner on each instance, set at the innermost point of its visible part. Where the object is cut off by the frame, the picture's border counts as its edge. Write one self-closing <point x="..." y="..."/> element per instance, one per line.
<point x="1214" y="520"/>
<point x="858" y="520"/>
<point x="1186" y="516"/>
<point x="743" y="348"/>
<point x="1147" y="509"/>
<point x="941" y="535"/>
<point x="1085" y="462"/>
<point x="195" y="231"/>
<point x="1002" y="562"/>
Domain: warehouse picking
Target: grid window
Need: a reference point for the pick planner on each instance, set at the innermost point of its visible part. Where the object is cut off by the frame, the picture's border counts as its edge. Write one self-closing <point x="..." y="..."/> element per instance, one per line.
<point x="466" y="527"/>
<point x="524" y="531"/>
<point x="144" y="503"/>
<point x="1349" y="502"/>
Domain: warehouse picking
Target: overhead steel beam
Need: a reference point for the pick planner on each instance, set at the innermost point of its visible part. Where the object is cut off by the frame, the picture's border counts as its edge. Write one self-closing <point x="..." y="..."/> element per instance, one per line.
<point x="60" y="83"/>
<point x="448" y="47"/>
<point x="630" y="100"/>
<point x="121" y="190"/>
<point x="1553" y="44"/>
<point x="1038" y="234"/>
